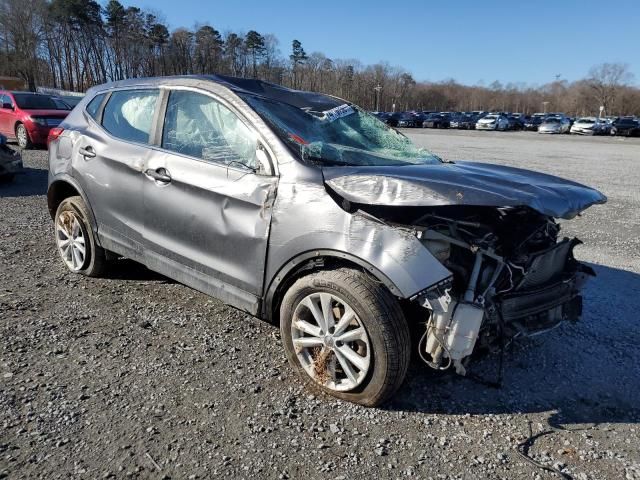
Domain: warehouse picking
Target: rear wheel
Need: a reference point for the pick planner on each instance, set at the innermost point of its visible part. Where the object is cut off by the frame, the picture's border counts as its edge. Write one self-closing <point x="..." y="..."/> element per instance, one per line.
<point x="345" y="334"/>
<point x="22" y="136"/>
<point x="75" y="239"/>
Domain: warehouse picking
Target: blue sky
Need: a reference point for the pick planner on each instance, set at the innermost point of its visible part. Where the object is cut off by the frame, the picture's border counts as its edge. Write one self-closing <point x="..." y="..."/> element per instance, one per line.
<point x="471" y="41"/>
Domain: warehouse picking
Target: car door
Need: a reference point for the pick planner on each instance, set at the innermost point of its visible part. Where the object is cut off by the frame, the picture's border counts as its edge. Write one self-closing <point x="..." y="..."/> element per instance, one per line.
<point x="207" y="209"/>
<point x="109" y="158"/>
<point x="6" y="115"/>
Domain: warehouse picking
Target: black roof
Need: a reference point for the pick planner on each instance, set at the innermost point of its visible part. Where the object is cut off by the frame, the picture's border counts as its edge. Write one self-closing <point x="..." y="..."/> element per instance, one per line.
<point x="278" y="93"/>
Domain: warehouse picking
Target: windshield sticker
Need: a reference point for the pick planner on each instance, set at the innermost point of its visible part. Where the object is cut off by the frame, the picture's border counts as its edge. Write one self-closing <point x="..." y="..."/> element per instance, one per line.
<point x="338" y="112"/>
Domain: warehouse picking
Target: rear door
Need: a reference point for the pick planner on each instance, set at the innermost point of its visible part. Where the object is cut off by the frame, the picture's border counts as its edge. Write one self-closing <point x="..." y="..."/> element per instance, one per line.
<point x="207" y="211"/>
<point x="110" y="158"/>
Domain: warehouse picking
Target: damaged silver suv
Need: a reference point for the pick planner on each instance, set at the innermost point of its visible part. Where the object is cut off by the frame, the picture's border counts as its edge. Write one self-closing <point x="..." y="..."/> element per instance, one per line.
<point x="305" y="210"/>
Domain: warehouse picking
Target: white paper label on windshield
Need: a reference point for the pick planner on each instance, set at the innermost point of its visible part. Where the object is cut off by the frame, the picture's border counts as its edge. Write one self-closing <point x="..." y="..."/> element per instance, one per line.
<point x="338" y="112"/>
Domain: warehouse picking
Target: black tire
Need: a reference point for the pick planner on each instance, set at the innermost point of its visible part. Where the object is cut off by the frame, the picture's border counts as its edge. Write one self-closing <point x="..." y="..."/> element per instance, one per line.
<point x="95" y="262"/>
<point x="7" y="178"/>
<point x="380" y="315"/>
<point x="22" y="137"/>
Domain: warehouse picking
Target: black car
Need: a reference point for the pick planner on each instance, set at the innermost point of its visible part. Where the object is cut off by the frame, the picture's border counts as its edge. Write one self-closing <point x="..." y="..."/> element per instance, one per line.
<point x="625" y="127"/>
<point x="382" y="116"/>
<point x="464" y="122"/>
<point x="531" y="124"/>
<point x="436" y="120"/>
<point x="403" y="120"/>
<point x="515" y="122"/>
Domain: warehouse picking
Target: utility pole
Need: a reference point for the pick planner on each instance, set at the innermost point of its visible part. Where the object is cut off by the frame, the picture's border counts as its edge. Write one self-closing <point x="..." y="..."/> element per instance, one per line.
<point x="544" y="107"/>
<point x="377" y="88"/>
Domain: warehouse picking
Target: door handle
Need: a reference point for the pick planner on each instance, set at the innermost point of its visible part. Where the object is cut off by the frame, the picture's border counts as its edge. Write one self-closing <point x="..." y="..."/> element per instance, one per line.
<point x="160" y="175"/>
<point x="87" y="152"/>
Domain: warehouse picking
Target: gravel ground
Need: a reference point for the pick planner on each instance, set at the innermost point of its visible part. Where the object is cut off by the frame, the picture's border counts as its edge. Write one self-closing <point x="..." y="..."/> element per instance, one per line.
<point x="138" y="376"/>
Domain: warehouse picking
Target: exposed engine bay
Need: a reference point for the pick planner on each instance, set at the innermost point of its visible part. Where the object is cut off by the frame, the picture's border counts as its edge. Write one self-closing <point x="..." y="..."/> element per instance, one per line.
<point x="512" y="276"/>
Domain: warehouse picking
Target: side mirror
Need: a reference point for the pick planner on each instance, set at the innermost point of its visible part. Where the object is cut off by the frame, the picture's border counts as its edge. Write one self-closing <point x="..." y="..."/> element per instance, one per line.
<point x="7" y="105"/>
<point x="265" y="167"/>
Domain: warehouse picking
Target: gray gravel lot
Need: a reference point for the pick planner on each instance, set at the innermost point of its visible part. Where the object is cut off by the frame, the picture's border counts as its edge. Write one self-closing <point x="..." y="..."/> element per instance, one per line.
<point x="138" y="376"/>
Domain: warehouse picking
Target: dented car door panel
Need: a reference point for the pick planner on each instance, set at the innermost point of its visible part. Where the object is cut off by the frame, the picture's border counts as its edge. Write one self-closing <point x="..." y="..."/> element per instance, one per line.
<point x="212" y="219"/>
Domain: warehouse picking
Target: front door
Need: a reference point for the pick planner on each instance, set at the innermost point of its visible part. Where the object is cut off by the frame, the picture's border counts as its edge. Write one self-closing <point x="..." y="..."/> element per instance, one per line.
<point x="207" y="211"/>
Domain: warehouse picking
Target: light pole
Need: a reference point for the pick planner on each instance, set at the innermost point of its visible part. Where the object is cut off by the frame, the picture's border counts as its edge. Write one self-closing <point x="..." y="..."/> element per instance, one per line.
<point x="377" y="88"/>
<point x="544" y="107"/>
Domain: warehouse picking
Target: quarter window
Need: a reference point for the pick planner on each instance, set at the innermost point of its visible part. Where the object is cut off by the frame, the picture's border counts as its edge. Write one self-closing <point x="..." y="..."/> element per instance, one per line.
<point x="94" y="106"/>
<point x="129" y="114"/>
<point x="201" y="127"/>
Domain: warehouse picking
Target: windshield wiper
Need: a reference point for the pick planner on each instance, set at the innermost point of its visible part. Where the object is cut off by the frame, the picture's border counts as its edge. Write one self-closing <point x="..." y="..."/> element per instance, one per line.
<point x="326" y="162"/>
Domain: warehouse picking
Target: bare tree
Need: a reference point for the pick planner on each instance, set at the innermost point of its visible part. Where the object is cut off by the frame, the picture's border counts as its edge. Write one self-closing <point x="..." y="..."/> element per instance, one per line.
<point x="74" y="44"/>
<point x="606" y="81"/>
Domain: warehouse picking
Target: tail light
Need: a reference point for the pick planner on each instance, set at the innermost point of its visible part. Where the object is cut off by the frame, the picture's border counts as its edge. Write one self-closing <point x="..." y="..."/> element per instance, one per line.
<point x="54" y="133"/>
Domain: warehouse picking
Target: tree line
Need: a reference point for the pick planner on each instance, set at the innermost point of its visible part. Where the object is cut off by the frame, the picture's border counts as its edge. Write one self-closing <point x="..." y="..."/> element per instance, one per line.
<point x="74" y="44"/>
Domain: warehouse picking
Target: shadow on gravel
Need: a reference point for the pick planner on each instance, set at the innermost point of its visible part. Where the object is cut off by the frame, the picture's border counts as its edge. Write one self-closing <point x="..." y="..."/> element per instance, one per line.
<point x="125" y="269"/>
<point x="583" y="373"/>
<point x="32" y="181"/>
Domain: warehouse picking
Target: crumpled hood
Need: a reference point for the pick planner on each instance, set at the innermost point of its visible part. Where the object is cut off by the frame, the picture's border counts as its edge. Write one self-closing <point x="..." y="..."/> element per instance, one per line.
<point x="461" y="183"/>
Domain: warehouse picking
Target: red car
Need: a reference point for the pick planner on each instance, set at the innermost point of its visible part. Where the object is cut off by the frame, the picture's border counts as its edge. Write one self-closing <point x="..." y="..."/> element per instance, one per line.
<point x="28" y="117"/>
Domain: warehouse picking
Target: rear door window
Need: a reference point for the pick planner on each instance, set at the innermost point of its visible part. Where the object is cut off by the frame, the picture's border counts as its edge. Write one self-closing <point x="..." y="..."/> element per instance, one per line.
<point x="128" y="114"/>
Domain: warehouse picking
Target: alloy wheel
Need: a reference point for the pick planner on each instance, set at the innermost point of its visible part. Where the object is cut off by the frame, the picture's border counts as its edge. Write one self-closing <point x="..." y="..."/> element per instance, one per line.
<point x="22" y="136"/>
<point x="71" y="240"/>
<point x="331" y="342"/>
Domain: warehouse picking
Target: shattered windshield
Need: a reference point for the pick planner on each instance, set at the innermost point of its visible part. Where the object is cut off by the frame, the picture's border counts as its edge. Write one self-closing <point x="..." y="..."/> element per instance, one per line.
<point x="344" y="135"/>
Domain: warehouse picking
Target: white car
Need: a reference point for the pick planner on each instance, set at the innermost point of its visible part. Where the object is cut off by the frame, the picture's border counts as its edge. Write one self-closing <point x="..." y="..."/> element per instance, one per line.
<point x="588" y="126"/>
<point x="493" y="122"/>
<point x="555" y="125"/>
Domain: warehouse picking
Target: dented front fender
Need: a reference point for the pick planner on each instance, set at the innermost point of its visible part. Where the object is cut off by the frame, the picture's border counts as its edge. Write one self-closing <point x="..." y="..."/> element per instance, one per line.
<point x="307" y="222"/>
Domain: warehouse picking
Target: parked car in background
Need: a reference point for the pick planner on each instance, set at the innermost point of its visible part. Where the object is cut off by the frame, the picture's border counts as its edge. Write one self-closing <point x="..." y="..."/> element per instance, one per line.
<point x="588" y="126"/>
<point x="28" y="117"/>
<point x="403" y="120"/>
<point x="436" y="120"/>
<point x="463" y="122"/>
<point x="420" y="117"/>
<point x="298" y="208"/>
<point x="10" y="161"/>
<point x="555" y="124"/>
<point x="71" y="100"/>
<point x="532" y="123"/>
<point x="493" y="122"/>
<point x="516" y="122"/>
<point x="625" y="127"/>
<point x="382" y="116"/>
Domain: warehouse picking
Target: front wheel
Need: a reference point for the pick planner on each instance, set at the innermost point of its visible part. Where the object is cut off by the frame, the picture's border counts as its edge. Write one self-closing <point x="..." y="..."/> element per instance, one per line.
<point x="345" y="334"/>
<point x="22" y="136"/>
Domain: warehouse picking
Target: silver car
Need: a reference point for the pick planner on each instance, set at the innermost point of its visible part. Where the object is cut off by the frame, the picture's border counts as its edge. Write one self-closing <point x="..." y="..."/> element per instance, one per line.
<point x="588" y="126"/>
<point x="555" y="125"/>
<point x="307" y="211"/>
